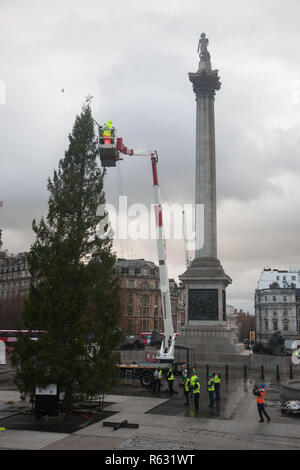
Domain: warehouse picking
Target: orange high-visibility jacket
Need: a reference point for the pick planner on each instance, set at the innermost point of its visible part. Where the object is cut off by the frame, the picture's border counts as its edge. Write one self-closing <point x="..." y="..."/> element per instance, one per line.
<point x="260" y="398"/>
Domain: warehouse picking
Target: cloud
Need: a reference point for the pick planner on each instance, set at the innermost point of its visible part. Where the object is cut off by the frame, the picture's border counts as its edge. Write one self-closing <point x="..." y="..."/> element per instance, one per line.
<point x="134" y="59"/>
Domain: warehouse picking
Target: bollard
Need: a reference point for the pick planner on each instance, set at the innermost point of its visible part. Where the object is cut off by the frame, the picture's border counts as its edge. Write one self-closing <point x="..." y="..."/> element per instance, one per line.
<point x="291" y="372"/>
<point x="207" y="369"/>
<point x="277" y="373"/>
<point x="245" y="372"/>
<point x="226" y="372"/>
<point x="262" y="374"/>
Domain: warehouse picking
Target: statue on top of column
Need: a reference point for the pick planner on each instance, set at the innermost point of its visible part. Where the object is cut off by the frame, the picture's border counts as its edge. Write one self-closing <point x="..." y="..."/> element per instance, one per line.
<point x="205" y="64"/>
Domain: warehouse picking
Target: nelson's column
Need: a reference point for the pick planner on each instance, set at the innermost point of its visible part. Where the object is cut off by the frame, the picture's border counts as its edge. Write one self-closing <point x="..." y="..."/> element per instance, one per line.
<point x="205" y="280"/>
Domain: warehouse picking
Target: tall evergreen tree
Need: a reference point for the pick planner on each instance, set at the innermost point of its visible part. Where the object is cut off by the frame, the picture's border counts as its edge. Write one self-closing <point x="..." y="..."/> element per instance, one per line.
<point x="74" y="296"/>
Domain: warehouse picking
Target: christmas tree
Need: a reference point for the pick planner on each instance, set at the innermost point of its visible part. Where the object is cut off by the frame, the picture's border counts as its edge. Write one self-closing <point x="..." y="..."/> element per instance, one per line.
<point x="74" y="295"/>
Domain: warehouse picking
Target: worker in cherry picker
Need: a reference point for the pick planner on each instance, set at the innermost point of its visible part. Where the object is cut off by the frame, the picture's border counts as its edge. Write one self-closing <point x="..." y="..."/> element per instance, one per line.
<point x="107" y="132"/>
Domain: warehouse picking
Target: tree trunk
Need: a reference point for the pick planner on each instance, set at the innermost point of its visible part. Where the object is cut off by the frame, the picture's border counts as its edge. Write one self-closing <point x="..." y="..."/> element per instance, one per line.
<point x="68" y="403"/>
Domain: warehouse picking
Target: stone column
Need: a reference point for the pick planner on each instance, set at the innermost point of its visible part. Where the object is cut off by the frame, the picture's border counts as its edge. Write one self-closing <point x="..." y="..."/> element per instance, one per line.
<point x="205" y="85"/>
<point x="205" y="280"/>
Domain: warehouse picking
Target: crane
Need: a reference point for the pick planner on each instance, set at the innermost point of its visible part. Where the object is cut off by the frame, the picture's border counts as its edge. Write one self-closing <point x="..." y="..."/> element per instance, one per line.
<point x="110" y="149"/>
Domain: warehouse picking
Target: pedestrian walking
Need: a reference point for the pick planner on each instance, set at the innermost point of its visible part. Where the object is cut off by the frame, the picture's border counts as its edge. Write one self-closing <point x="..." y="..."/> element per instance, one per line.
<point x="259" y="392"/>
<point x="211" y="390"/>
<point x="186" y="389"/>
<point x="196" y="392"/>
<point x="217" y="383"/>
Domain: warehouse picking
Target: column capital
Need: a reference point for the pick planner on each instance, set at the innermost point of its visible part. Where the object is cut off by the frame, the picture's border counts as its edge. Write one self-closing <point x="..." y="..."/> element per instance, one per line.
<point x="205" y="83"/>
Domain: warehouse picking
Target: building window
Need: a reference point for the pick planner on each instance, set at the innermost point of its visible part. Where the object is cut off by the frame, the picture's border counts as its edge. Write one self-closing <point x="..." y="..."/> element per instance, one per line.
<point x="274" y="298"/>
<point x="131" y="271"/>
<point x="130" y="298"/>
<point x="266" y="325"/>
<point x="130" y="311"/>
<point x="145" y="285"/>
<point x="144" y="312"/>
<point x="131" y="283"/>
<point x="129" y="327"/>
<point x="145" y="300"/>
<point x="145" y="271"/>
<point x="293" y="278"/>
<point x="266" y="298"/>
<point x="285" y="326"/>
<point x="284" y="298"/>
<point x="275" y="325"/>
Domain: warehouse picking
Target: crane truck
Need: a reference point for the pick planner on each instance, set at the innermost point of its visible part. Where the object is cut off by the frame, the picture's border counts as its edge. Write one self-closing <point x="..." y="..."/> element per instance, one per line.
<point x="110" y="150"/>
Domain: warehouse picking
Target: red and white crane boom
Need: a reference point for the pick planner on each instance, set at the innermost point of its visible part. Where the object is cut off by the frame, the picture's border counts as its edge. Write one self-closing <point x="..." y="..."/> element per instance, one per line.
<point x="109" y="154"/>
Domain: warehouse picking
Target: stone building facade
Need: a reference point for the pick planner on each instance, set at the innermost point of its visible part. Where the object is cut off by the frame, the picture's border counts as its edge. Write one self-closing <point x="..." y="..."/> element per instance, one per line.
<point x="140" y="295"/>
<point x="14" y="276"/>
<point x="177" y="295"/>
<point x="277" y="307"/>
<point x="14" y="288"/>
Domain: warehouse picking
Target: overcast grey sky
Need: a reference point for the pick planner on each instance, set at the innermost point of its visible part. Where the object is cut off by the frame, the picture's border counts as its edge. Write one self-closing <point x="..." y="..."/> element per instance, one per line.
<point x="134" y="57"/>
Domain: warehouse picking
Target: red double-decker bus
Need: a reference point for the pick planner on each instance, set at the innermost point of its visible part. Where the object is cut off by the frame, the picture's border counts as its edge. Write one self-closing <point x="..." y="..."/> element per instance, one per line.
<point x="10" y="336"/>
<point x="145" y="337"/>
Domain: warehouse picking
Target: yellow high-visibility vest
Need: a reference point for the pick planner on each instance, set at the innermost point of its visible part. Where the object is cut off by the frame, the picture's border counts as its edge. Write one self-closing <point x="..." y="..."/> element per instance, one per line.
<point x="187" y="385"/>
<point x="197" y="389"/>
<point x="211" y="385"/>
<point x="193" y="379"/>
<point x="107" y="129"/>
<point x="170" y="375"/>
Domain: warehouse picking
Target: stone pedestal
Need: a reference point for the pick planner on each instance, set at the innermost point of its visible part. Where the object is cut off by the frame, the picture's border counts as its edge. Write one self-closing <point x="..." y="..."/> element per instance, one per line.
<point x="205" y="282"/>
<point x="206" y="327"/>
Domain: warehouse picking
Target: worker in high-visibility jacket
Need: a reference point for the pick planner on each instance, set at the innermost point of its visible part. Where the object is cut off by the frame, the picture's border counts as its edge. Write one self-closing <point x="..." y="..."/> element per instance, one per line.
<point x="170" y="379"/>
<point x="186" y="389"/>
<point x="211" y="390"/>
<point x="157" y="379"/>
<point x="196" y="393"/>
<point x="259" y="392"/>
<point x="107" y="131"/>
<point x="193" y="381"/>
<point x="217" y="382"/>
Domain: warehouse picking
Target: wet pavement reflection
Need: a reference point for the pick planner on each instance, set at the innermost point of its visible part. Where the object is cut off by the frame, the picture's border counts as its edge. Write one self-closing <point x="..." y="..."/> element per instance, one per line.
<point x="235" y="391"/>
